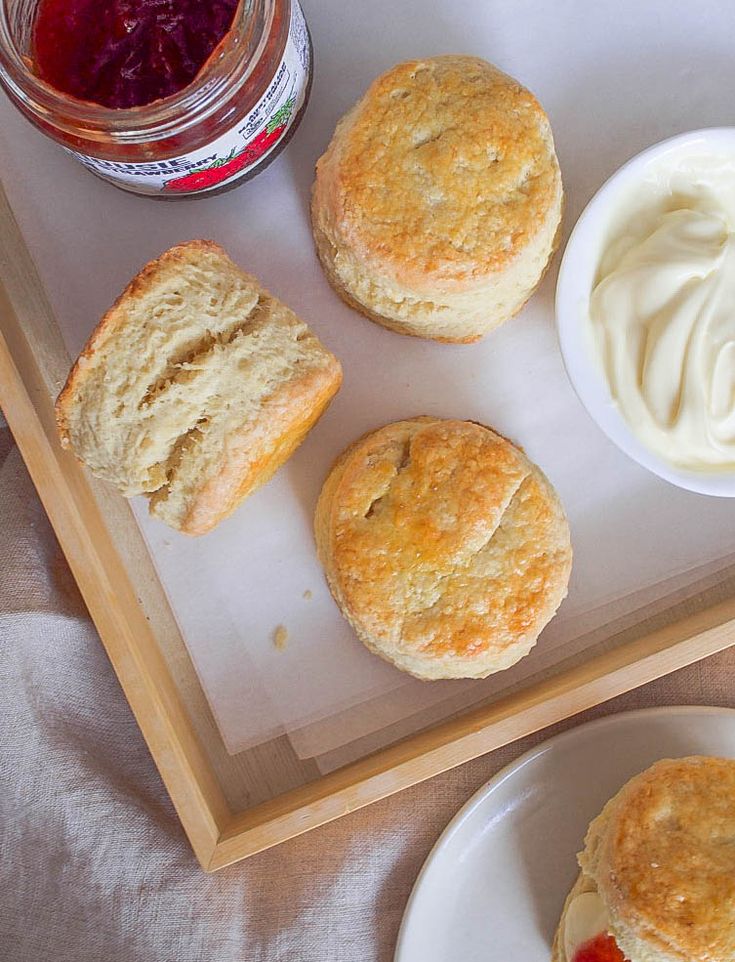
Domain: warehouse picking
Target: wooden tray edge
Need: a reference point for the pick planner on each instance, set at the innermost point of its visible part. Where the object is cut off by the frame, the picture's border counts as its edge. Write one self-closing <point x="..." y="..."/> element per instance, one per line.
<point x="67" y="497"/>
<point x="452" y="743"/>
<point x="217" y="836"/>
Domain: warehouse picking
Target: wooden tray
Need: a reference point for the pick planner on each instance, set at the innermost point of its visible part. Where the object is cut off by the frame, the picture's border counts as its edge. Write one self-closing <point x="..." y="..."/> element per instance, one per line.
<point x="234" y="806"/>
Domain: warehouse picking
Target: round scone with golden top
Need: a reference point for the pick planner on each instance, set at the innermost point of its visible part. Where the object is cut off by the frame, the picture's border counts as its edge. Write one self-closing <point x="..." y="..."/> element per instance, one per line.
<point x="437" y="204"/>
<point x="658" y="870"/>
<point x="444" y="546"/>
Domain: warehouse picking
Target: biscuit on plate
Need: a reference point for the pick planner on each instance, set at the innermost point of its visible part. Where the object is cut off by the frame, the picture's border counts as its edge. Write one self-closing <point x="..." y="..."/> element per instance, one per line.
<point x="436" y="207"/>
<point x="658" y="869"/>
<point x="194" y="387"/>
<point x="444" y="546"/>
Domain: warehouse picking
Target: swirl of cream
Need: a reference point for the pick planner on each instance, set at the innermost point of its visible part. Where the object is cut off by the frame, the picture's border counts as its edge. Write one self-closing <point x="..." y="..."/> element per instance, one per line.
<point x="663" y="318"/>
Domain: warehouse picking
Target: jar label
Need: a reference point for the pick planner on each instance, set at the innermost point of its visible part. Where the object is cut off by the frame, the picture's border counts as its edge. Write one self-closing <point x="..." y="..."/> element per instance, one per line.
<point x="236" y="152"/>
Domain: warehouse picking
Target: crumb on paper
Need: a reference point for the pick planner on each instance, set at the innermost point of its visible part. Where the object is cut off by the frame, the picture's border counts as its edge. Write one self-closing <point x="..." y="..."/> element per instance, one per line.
<point x="307" y="595"/>
<point x="280" y="637"/>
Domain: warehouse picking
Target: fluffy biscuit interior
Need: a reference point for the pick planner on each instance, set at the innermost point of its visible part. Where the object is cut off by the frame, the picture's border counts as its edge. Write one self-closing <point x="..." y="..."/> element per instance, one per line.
<point x="183" y="364"/>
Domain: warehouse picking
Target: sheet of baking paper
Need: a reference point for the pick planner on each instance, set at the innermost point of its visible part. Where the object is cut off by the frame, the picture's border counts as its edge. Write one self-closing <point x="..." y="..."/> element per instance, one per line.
<point x="590" y="631"/>
<point x="614" y="78"/>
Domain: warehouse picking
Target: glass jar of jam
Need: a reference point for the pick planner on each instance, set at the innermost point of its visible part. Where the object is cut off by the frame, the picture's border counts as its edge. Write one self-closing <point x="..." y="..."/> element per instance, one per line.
<point x="169" y="98"/>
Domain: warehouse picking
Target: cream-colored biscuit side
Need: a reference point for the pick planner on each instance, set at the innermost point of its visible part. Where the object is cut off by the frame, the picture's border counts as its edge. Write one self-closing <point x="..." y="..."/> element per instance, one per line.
<point x="583" y="884"/>
<point x="443" y="316"/>
<point x="662" y="857"/>
<point x="192" y="381"/>
<point x="444" y="547"/>
<point x="437" y="204"/>
<point x="591" y="863"/>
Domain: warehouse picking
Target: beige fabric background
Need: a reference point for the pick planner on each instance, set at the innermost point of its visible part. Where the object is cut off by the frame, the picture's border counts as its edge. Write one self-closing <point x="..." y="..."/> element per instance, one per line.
<point x="93" y="862"/>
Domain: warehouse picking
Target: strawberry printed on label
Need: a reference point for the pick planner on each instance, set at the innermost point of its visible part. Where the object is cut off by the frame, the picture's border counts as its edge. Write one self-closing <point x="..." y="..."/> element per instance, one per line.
<point x="224" y="168"/>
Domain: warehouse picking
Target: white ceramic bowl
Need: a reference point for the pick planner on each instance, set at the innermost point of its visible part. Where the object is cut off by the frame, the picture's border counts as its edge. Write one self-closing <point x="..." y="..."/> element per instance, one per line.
<point x="576" y="279"/>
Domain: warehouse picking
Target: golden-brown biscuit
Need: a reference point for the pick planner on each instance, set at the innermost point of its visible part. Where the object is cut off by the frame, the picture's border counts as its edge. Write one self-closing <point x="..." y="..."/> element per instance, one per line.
<point x="661" y="857"/>
<point x="437" y="204"/>
<point x="444" y="546"/>
<point x="194" y="387"/>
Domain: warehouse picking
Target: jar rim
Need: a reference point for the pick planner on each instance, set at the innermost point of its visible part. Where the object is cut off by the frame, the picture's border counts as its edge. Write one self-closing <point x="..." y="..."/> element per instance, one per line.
<point x="228" y="69"/>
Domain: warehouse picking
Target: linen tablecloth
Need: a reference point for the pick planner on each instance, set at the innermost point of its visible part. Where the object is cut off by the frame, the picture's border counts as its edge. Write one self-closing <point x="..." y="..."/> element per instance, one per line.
<point x="93" y="862"/>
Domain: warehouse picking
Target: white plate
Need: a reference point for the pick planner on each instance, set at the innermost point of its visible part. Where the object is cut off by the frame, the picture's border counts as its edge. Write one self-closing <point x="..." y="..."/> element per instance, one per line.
<point x="494" y="884"/>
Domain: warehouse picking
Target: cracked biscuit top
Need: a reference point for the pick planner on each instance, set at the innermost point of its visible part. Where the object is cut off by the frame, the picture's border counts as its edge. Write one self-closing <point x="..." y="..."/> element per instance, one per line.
<point x="662" y="855"/>
<point x="444" y="546"/>
<point x="441" y="175"/>
<point x="195" y="386"/>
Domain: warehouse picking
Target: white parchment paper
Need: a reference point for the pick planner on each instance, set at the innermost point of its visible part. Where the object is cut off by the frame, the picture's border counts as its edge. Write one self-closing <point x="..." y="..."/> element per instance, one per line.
<point x="614" y="78"/>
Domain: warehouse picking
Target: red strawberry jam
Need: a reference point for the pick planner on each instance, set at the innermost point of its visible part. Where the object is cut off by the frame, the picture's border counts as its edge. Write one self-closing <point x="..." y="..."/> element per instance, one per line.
<point x="127" y="53"/>
<point x="603" y="948"/>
